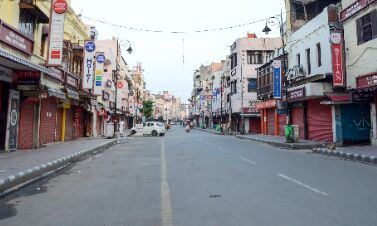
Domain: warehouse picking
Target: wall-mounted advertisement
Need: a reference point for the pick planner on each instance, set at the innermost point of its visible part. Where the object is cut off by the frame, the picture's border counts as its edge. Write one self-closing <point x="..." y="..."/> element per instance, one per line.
<point x="277" y="79"/>
<point x="55" y="50"/>
<point x="98" y="82"/>
<point x="87" y="82"/>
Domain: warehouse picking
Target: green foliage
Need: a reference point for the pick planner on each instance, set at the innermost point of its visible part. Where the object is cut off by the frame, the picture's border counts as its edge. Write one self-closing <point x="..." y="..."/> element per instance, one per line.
<point x="148" y="108"/>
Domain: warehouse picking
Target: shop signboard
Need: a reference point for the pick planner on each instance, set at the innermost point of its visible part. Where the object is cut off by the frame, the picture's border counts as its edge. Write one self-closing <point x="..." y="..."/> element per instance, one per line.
<point x="277" y="79"/>
<point x="13" y="120"/>
<point x="366" y="81"/>
<point x="98" y="86"/>
<point x="15" y="39"/>
<point x="88" y="79"/>
<point x="5" y="74"/>
<point x="56" y="34"/>
<point x="72" y="81"/>
<point x="337" y="59"/>
<point x="27" y="77"/>
<point x="296" y="94"/>
<point x="353" y="9"/>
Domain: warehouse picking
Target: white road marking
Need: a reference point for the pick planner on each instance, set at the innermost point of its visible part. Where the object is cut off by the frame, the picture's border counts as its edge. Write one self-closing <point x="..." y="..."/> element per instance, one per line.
<point x="210" y="144"/>
<point x="302" y="184"/>
<point x="247" y="160"/>
<point x="221" y="149"/>
<point x="166" y="212"/>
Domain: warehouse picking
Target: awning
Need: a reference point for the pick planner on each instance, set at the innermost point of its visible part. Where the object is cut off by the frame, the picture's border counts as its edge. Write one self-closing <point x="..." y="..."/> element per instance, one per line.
<point x="55" y="92"/>
<point x="339" y="97"/>
<point x="251" y="115"/>
<point x="72" y="94"/>
<point x="18" y="63"/>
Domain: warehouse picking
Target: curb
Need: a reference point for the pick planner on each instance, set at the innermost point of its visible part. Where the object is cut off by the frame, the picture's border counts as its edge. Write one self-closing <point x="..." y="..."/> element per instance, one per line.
<point x="296" y="146"/>
<point x="32" y="174"/>
<point x="346" y="155"/>
<point x="208" y="131"/>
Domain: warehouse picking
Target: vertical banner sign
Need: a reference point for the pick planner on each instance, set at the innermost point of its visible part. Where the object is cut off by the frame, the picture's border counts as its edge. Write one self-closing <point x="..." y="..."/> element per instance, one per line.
<point x="100" y="60"/>
<point x="277" y="79"/>
<point x="87" y="82"/>
<point x="337" y="59"/>
<point x="13" y="119"/>
<point x="55" y="50"/>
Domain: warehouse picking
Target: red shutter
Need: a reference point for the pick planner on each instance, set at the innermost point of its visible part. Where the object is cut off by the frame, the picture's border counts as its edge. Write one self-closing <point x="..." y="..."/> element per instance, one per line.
<point x="25" y="135"/>
<point x="282" y="123"/>
<point x="48" y="121"/>
<point x="319" y="121"/>
<point x="254" y="125"/>
<point x="69" y="125"/>
<point x="298" y="119"/>
<point x="271" y="121"/>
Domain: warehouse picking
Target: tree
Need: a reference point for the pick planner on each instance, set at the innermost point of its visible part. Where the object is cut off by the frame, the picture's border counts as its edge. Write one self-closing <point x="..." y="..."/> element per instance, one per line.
<point x="148" y="109"/>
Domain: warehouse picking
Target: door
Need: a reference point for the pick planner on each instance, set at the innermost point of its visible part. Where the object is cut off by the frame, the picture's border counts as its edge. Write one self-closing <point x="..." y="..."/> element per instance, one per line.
<point x="25" y="140"/>
<point x="254" y="125"/>
<point x="355" y="122"/>
<point x="319" y="121"/>
<point x="271" y="121"/>
<point x="48" y="121"/>
<point x="69" y="123"/>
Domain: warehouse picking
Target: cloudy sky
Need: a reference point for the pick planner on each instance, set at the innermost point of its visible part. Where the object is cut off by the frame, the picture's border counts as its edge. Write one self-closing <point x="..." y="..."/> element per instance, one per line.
<point x="169" y="59"/>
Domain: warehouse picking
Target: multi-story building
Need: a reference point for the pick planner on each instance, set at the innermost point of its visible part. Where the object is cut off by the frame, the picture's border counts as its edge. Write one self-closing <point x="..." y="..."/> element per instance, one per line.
<point x="357" y="121"/>
<point x="137" y="97"/>
<point x="246" y="54"/>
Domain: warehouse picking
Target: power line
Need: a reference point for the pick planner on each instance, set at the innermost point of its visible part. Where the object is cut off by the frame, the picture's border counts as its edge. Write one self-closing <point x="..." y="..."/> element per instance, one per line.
<point x="177" y="32"/>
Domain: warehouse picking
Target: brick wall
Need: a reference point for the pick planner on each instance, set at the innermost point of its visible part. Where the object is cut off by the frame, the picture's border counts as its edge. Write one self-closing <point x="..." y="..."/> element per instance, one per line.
<point x="25" y="136"/>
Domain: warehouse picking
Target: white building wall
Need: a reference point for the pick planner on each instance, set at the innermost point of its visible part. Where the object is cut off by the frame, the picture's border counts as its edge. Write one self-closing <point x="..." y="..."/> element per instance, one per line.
<point x="313" y="32"/>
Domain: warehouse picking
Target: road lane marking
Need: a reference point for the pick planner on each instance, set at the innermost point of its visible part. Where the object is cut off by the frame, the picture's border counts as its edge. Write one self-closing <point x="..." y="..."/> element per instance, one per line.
<point x="166" y="212"/>
<point x="210" y="144"/>
<point x="247" y="160"/>
<point x="302" y="184"/>
<point x="221" y="149"/>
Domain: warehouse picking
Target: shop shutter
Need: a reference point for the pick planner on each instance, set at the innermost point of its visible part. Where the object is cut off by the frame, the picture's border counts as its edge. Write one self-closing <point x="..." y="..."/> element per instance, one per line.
<point x="319" y="121"/>
<point x="69" y="123"/>
<point x="271" y="121"/>
<point x="48" y="121"/>
<point x="254" y="125"/>
<point x="79" y="124"/>
<point x="282" y="123"/>
<point x="59" y="124"/>
<point x="25" y="135"/>
<point x="298" y="119"/>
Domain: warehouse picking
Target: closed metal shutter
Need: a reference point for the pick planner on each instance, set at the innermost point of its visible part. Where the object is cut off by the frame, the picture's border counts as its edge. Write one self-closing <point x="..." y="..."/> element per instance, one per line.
<point x="298" y="119"/>
<point x="48" y="121"/>
<point x="59" y="124"/>
<point x="319" y="121"/>
<point x="69" y="125"/>
<point x="25" y="135"/>
<point x="282" y="123"/>
<point x="255" y="125"/>
<point x="271" y="121"/>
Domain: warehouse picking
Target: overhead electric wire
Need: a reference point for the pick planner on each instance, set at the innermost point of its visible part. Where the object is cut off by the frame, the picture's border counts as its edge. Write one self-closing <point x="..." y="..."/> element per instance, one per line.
<point x="178" y="32"/>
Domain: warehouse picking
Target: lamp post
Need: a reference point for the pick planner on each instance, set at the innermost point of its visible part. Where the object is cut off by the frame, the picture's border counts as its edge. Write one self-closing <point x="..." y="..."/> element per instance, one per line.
<point x="267" y="30"/>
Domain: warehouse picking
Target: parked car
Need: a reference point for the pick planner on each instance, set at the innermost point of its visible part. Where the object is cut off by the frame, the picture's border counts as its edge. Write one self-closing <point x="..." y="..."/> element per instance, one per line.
<point x="152" y="128"/>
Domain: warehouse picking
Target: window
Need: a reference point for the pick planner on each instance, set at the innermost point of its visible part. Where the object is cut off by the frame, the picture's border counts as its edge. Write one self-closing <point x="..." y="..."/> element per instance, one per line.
<point x="26" y="23"/>
<point x="150" y="124"/>
<point x="308" y="63"/>
<point x="252" y="85"/>
<point x="233" y="61"/>
<point x="298" y="60"/>
<point x="367" y="27"/>
<point x="233" y="87"/>
<point x="254" y="57"/>
<point x="319" y="55"/>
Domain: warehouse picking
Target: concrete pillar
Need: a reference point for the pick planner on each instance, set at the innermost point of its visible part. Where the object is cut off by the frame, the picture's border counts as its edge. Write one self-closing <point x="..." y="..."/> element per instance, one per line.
<point x="373" y="121"/>
<point x="36" y="124"/>
<point x="94" y="122"/>
<point x="333" y="120"/>
<point x="247" y="125"/>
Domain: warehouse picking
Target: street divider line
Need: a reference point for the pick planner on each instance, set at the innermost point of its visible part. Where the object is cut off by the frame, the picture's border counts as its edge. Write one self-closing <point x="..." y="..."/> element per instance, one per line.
<point x="247" y="160"/>
<point x="166" y="212"/>
<point x="303" y="185"/>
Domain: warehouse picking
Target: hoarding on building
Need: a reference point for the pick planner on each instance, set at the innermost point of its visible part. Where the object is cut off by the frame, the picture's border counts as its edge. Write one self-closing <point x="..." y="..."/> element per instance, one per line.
<point x="87" y="82"/>
<point x="277" y="79"/>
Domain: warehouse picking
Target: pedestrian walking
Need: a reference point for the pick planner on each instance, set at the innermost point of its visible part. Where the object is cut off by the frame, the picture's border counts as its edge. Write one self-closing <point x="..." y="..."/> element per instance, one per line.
<point x="121" y="128"/>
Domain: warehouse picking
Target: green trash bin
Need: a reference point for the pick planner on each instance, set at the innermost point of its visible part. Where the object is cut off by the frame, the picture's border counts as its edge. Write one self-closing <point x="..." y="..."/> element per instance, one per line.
<point x="288" y="133"/>
<point x="218" y="127"/>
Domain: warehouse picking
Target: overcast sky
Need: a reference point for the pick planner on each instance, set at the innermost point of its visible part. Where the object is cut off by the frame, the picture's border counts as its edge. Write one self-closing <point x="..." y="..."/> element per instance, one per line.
<point x="162" y="54"/>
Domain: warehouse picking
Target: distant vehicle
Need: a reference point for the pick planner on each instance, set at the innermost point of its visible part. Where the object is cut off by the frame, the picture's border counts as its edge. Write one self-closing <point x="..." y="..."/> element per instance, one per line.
<point x="173" y="123"/>
<point x="152" y="128"/>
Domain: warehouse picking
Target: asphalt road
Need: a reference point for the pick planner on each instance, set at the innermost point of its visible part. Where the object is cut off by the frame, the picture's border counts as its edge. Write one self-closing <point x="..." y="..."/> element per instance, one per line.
<point x="199" y="179"/>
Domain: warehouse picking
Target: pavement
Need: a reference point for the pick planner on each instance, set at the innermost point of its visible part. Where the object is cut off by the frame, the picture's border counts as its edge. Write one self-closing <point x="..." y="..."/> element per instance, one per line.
<point x="199" y="178"/>
<point x="19" y="167"/>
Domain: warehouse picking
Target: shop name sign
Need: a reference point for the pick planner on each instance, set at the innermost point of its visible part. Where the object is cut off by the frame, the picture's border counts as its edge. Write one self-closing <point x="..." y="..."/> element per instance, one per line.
<point x="27" y="77"/>
<point x="266" y="104"/>
<point x="296" y="94"/>
<point x="15" y="39"/>
<point x="55" y="50"/>
<point x="337" y="58"/>
<point x="56" y="73"/>
<point x="353" y="9"/>
<point x="367" y="81"/>
<point x="277" y="79"/>
<point x="90" y="47"/>
<point x="72" y="81"/>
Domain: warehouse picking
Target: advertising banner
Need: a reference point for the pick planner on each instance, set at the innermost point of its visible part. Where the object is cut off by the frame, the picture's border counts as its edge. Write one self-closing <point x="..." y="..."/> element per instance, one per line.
<point x="277" y="79"/>
<point x="98" y="82"/>
<point x="87" y="82"/>
<point x="337" y="59"/>
<point x="55" y="50"/>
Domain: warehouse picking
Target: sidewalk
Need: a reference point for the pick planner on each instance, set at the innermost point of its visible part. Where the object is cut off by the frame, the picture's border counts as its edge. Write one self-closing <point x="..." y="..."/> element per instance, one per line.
<point x="16" y="167"/>
<point x="366" y="153"/>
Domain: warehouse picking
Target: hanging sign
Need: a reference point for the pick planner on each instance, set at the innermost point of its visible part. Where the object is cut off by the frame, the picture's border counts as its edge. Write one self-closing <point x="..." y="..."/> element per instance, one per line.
<point x="55" y="50"/>
<point x="87" y="82"/>
<point x="98" y="76"/>
<point x="13" y="120"/>
<point x="277" y="79"/>
<point x="337" y="59"/>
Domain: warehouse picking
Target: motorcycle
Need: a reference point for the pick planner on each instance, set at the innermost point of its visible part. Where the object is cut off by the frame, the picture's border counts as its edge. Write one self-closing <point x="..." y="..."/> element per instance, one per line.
<point x="187" y="129"/>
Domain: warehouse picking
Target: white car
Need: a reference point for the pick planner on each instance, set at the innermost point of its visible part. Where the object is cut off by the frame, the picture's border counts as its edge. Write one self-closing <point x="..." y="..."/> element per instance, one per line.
<point x="152" y="128"/>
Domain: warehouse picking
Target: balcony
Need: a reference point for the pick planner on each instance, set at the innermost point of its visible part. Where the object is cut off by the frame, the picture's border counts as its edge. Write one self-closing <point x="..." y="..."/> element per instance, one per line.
<point x="40" y="10"/>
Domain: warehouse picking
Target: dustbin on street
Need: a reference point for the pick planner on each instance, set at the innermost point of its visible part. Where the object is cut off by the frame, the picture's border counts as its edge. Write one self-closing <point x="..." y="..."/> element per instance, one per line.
<point x="288" y="133"/>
